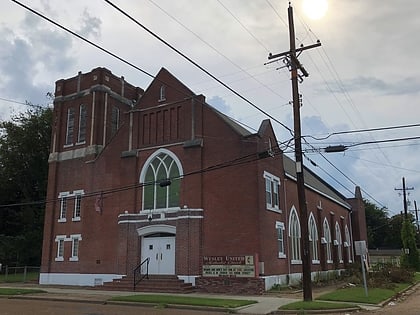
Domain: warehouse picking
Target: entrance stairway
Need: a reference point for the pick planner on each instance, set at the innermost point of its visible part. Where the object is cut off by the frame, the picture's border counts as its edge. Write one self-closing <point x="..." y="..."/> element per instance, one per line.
<point x="155" y="283"/>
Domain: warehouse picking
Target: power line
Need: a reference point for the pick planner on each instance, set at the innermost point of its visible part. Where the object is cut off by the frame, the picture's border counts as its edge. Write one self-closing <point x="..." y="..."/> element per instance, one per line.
<point x="214" y="48"/>
<point x="21" y="103"/>
<point x="248" y="158"/>
<point x="141" y="70"/>
<point x="195" y="64"/>
<point x="362" y="130"/>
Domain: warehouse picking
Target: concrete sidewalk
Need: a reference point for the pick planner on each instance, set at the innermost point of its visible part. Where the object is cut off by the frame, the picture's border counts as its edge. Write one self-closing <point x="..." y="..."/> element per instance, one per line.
<point x="265" y="305"/>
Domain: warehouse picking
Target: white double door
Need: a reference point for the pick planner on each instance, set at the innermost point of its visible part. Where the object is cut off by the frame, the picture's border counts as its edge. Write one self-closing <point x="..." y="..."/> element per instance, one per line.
<point x="161" y="252"/>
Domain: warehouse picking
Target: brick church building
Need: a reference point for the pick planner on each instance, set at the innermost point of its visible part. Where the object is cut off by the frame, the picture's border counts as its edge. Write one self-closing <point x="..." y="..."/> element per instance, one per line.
<point x="160" y="176"/>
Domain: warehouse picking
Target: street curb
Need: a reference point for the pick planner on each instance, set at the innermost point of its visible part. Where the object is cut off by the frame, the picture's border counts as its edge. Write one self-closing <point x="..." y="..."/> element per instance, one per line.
<point x="120" y="303"/>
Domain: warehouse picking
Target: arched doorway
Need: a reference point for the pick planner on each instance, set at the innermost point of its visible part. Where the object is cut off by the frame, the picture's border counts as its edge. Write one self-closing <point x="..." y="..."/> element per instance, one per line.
<point x="158" y="244"/>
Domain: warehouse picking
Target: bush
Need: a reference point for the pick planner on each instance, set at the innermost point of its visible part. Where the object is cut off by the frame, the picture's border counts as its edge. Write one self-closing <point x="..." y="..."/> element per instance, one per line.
<point x="386" y="276"/>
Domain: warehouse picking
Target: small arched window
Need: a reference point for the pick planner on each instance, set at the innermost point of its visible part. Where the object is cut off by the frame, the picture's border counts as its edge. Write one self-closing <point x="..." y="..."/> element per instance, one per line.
<point x="162" y="93"/>
<point x="161" y="177"/>
<point x="294" y="234"/>
<point x="339" y="242"/>
<point x="347" y="243"/>
<point x="313" y="239"/>
<point x="327" y="237"/>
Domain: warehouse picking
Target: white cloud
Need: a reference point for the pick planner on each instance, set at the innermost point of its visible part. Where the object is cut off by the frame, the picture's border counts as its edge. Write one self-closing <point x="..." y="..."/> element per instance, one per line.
<point x="364" y="75"/>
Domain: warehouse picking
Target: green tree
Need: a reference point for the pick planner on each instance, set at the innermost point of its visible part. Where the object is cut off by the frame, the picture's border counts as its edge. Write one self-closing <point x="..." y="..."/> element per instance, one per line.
<point x="410" y="256"/>
<point x="377" y="223"/>
<point x="24" y="151"/>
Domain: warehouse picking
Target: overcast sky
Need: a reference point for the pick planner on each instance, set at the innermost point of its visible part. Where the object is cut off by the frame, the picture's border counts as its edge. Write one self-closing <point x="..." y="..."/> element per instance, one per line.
<point x="365" y="75"/>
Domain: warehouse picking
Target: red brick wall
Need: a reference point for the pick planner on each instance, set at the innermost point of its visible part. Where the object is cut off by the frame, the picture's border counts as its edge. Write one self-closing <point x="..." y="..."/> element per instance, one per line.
<point x="250" y="286"/>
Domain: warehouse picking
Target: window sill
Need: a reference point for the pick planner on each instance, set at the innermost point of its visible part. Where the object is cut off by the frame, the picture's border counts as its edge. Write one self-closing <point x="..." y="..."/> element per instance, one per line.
<point x="74" y="258"/>
<point x="59" y="259"/>
<point x="329" y="261"/>
<point x="67" y="145"/>
<point x="282" y="256"/>
<point x="296" y="262"/>
<point x="81" y="143"/>
<point x="63" y="220"/>
<point x="277" y="210"/>
<point x="76" y="219"/>
<point x="316" y="262"/>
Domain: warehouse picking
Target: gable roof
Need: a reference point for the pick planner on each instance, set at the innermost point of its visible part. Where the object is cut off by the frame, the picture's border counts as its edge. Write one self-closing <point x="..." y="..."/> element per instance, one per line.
<point x="314" y="182"/>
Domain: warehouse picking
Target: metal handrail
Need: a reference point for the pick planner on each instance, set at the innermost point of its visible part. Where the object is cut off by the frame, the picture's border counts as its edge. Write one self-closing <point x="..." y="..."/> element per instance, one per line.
<point x="138" y="275"/>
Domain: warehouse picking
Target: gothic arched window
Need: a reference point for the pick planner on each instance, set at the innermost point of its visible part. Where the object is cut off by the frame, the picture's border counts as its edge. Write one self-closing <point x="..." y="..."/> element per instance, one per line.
<point x="161" y="177"/>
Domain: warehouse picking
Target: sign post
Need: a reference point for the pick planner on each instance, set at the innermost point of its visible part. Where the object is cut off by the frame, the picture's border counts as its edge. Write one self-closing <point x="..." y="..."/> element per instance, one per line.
<point x="361" y="250"/>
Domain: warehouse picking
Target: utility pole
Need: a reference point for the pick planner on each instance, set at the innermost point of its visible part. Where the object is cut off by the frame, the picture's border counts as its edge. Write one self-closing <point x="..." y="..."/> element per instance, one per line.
<point x="417" y="215"/>
<point x="404" y="189"/>
<point x="294" y="65"/>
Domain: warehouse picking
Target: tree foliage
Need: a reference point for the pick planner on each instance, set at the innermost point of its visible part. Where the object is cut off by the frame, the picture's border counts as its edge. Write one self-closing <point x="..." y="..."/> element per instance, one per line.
<point x="383" y="231"/>
<point x="24" y="150"/>
<point x="410" y="257"/>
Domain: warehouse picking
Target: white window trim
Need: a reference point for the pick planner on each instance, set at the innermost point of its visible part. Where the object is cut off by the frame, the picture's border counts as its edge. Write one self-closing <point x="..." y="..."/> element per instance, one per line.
<point x="299" y="236"/>
<point x="76" y="193"/>
<point x="328" y="242"/>
<point x="59" y="238"/>
<point x="66" y="144"/>
<point x="280" y="225"/>
<point x="272" y="178"/>
<point x="72" y="238"/>
<point x="162" y="93"/>
<point x="177" y="161"/>
<point x="316" y="261"/>
<point x="296" y="262"/>
<point x="79" y="127"/>
<point x="61" y="195"/>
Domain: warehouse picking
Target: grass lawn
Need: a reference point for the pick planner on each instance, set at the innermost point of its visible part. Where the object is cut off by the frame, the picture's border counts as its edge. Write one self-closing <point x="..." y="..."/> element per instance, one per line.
<point x="183" y="300"/>
<point x="357" y="294"/>
<point x="19" y="277"/>
<point x="16" y="291"/>
<point x="316" y="305"/>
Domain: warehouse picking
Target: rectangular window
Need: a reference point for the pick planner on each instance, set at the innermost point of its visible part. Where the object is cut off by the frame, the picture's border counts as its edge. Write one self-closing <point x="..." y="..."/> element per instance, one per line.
<point x="75" y="243"/>
<point x="82" y="124"/>
<point x="268" y="193"/>
<point x="275" y="202"/>
<point x="63" y="207"/>
<point x="115" y="120"/>
<point x="162" y="93"/>
<point x="60" y="247"/>
<point x="70" y="126"/>
<point x="280" y="239"/>
<point x="272" y="197"/>
<point x="77" y="207"/>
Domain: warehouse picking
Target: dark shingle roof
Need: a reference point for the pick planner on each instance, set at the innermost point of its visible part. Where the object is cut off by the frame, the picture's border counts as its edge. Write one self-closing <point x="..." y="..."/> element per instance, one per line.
<point x="314" y="182"/>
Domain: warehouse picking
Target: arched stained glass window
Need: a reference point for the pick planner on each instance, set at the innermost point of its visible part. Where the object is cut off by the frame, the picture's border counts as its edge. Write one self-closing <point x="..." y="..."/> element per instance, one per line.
<point x="339" y="242"/>
<point x="294" y="234"/>
<point x="348" y="244"/>
<point x="327" y="236"/>
<point x="313" y="239"/>
<point x="161" y="177"/>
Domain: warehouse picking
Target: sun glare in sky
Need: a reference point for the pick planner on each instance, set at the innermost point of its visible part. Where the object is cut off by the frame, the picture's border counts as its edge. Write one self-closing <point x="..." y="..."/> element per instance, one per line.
<point x="315" y="9"/>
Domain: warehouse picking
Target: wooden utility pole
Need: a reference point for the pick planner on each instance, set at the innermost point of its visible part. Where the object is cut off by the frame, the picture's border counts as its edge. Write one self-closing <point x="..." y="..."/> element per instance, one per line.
<point x="404" y="189"/>
<point x="294" y="66"/>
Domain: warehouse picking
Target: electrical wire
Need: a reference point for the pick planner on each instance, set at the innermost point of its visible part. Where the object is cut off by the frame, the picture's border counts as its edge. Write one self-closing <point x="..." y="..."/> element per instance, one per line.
<point x="248" y="158"/>
<point x="362" y="130"/>
<point x="195" y="64"/>
<point x="143" y="71"/>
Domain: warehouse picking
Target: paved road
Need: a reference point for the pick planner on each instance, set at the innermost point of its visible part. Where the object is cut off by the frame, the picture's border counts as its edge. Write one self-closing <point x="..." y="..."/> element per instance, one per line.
<point x="42" y="307"/>
<point x="407" y="303"/>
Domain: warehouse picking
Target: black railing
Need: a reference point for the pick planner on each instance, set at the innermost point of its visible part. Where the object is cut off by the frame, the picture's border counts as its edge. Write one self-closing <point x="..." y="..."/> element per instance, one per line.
<point x="141" y="272"/>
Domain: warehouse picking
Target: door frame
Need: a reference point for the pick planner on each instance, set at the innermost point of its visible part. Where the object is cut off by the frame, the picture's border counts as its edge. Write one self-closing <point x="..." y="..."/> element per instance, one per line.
<point x="154" y="229"/>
